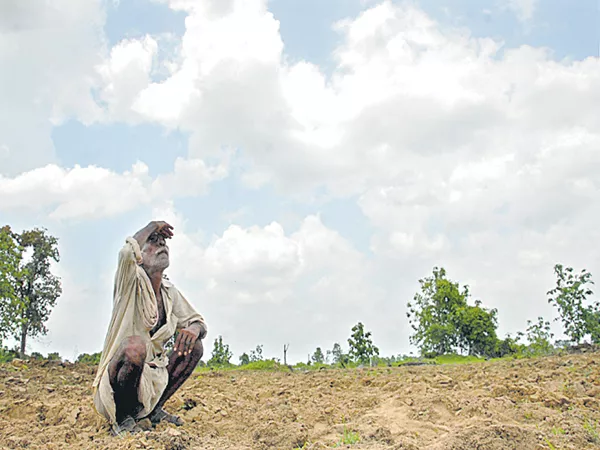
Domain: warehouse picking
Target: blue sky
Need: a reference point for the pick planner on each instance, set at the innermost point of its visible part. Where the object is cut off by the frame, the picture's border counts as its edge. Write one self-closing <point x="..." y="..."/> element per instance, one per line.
<point x="361" y="218"/>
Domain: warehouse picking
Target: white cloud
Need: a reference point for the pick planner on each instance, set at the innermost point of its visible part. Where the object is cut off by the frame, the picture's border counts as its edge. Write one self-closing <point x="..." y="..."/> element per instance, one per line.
<point x="94" y="192"/>
<point x="483" y="162"/>
<point x="453" y="149"/>
<point x="48" y="54"/>
<point x="524" y="9"/>
<point x="125" y="74"/>
<point x="399" y="76"/>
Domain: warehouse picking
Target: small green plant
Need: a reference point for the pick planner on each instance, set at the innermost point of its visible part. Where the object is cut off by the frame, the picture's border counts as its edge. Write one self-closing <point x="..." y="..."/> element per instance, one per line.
<point x="7" y="355"/>
<point x="552" y="447"/>
<point x="593" y="435"/>
<point x="349" y="437"/>
<point x="557" y="431"/>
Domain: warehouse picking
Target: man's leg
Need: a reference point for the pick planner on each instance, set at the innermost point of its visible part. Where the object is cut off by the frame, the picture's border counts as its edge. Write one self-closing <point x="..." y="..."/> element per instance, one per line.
<point x="125" y="371"/>
<point x="180" y="368"/>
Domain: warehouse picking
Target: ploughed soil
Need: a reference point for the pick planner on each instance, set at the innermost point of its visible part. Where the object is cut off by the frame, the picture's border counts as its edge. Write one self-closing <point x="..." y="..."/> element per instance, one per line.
<point x="544" y="403"/>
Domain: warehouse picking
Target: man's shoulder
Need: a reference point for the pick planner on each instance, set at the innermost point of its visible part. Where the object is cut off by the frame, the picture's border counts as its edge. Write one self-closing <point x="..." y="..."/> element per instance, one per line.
<point x="167" y="283"/>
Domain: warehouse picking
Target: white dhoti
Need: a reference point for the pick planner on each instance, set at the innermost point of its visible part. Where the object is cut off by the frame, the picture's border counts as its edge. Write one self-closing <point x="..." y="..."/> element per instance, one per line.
<point x="135" y="313"/>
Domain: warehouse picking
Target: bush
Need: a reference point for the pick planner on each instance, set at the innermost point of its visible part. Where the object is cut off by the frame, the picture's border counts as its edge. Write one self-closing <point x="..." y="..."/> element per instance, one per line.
<point x="7" y="355"/>
<point x="93" y="359"/>
<point x="268" y="364"/>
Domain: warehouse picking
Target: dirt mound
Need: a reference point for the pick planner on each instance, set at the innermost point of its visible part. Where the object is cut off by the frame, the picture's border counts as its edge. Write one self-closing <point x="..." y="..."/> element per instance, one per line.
<point x="541" y="403"/>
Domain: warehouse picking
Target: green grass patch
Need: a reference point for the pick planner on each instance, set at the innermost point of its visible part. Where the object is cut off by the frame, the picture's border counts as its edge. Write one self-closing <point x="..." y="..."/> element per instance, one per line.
<point x="275" y="365"/>
<point x="593" y="435"/>
<point x="349" y="437"/>
<point x="458" y="359"/>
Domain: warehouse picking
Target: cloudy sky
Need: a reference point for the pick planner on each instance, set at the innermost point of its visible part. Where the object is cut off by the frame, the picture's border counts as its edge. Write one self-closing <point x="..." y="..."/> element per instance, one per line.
<point x="316" y="158"/>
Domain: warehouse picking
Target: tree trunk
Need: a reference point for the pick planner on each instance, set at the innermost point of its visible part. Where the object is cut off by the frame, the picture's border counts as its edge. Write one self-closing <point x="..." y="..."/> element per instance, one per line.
<point x="23" y="339"/>
<point x="285" y="348"/>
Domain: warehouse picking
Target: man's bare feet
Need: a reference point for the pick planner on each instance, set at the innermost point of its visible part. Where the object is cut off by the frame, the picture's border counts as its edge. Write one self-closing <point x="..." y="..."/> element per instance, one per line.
<point x="159" y="414"/>
<point x="127" y="425"/>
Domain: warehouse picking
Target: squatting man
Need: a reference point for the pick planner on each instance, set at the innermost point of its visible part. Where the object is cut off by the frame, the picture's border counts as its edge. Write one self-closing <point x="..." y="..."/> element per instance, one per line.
<point x="136" y="376"/>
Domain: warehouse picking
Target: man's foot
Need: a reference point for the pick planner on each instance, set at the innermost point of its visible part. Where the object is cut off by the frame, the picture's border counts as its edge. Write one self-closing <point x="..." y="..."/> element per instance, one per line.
<point x="127" y="425"/>
<point x="159" y="414"/>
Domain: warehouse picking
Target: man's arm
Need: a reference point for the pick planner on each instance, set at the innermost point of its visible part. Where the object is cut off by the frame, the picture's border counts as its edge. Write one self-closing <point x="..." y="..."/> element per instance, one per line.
<point x="186" y="339"/>
<point x="199" y="328"/>
<point x="160" y="227"/>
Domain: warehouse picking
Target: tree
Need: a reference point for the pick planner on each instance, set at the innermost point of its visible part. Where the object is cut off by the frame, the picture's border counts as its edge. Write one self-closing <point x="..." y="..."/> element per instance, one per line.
<point x="54" y="357"/>
<point x="10" y="272"/>
<point x="433" y="314"/>
<point x="244" y="359"/>
<point x="570" y="297"/>
<point x="256" y="355"/>
<point x="336" y="353"/>
<point x="317" y="356"/>
<point x="285" y="349"/>
<point x="444" y="322"/>
<point x="93" y="359"/>
<point x="361" y="345"/>
<point x="477" y="329"/>
<point x="220" y="354"/>
<point x="539" y="336"/>
<point x="34" y="289"/>
<point x="506" y="346"/>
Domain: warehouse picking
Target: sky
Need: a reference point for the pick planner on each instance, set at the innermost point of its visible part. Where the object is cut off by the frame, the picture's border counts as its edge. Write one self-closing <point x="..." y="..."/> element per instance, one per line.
<point x="316" y="159"/>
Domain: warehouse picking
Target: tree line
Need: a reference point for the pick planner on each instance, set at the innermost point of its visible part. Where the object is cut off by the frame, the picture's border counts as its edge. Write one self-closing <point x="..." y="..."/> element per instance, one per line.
<point x="442" y="317"/>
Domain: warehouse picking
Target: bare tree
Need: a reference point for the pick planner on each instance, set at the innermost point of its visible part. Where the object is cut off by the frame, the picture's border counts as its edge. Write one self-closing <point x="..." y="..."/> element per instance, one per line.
<point x="285" y="349"/>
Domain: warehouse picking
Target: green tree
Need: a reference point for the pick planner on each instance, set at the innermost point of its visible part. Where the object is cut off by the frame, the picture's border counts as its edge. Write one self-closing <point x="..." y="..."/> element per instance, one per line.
<point x="318" y="357"/>
<point x="244" y="359"/>
<point x="507" y="346"/>
<point x="54" y="357"/>
<point x="256" y="355"/>
<point x="93" y="359"/>
<point x="361" y="345"/>
<point x="539" y="337"/>
<point x="570" y="297"/>
<point x="337" y="353"/>
<point x="433" y="314"/>
<point x="10" y="272"/>
<point x="33" y="290"/>
<point x="477" y="329"/>
<point x="338" y="356"/>
<point x="220" y="354"/>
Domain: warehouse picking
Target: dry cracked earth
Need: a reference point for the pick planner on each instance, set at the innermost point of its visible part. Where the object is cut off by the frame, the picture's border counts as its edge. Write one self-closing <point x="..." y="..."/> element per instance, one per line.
<point x="544" y="403"/>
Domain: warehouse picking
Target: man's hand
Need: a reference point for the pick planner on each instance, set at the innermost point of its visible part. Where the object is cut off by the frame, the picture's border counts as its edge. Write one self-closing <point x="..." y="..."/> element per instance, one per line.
<point x="187" y="337"/>
<point x="160" y="227"/>
<point x="163" y="228"/>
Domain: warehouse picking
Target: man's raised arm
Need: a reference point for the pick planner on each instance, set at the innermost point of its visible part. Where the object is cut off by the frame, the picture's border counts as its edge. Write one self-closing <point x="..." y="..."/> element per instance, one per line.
<point x="159" y="227"/>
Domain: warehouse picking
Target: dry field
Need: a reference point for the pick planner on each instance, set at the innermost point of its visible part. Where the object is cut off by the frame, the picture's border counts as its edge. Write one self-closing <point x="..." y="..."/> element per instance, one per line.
<point x="545" y="403"/>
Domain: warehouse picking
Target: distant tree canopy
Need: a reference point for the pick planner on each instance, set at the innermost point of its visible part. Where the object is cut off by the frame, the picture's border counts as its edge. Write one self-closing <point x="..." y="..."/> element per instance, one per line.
<point x="244" y="359"/>
<point x="220" y="354"/>
<point x="579" y="317"/>
<point x="93" y="359"/>
<point x="28" y="289"/>
<point x="443" y="322"/>
<point x="361" y="345"/>
<point x="318" y="357"/>
<point x="256" y="355"/>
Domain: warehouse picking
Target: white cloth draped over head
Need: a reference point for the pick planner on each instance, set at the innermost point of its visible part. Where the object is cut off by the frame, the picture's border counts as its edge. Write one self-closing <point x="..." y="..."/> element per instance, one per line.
<point x="135" y="313"/>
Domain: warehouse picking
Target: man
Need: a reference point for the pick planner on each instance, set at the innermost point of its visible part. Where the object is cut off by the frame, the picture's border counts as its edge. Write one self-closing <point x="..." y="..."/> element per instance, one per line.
<point x="135" y="376"/>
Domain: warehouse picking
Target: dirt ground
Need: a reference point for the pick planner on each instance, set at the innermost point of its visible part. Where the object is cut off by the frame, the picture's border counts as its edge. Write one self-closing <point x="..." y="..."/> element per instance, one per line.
<point x="546" y="403"/>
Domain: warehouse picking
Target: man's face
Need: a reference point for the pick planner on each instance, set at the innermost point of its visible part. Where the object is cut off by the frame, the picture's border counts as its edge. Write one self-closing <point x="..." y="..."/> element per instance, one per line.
<point x="155" y="253"/>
